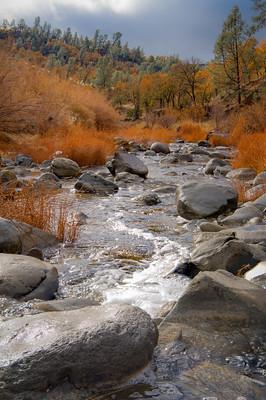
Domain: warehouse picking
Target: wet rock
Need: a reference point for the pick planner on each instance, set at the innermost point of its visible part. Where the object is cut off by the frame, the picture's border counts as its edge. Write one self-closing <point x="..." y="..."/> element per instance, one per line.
<point x="81" y="218"/>
<point x="125" y="178"/>
<point x="24" y="160"/>
<point x="222" y="171"/>
<point x="252" y="234"/>
<point x="165" y="189"/>
<point x="205" y="199"/>
<point x="36" y="253"/>
<point x="17" y="237"/>
<point x="260" y="202"/>
<point x="48" y="181"/>
<point x="213" y="381"/>
<point x="159" y="147"/>
<point x="151" y="199"/>
<point x="27" y="278"/>
<point x="125" y="162"/>
<point x="10" y="241"/>
<point x="219" y="154"/>
<point x="260" y="281"/>
<point x="87" y="347"/>
<point x="213" y="164"/>
<point x="210" y="227"/>
<point x="204" y="143"/>
<point x="218" y="305"/>
<point x="150" y="153"/>
<point x="242" y="174"/>
<point x="199" y="151"/>
<point x="223" y="252"/>
<point x="95" y="184"/>
<point x="46" y="164"/>
<point x="259" y="269"/>
<point x="243" y="215"/>
<point x="260" y="179"/>
<point x="65" y="168"/>
<point x="185" y="157"/>
<point x="7" y="177"/>
<point x="65" y="304"/>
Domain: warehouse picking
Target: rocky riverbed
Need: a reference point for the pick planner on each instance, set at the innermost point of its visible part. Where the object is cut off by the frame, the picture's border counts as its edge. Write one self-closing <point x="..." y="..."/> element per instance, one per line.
<point x="153" y="300"/>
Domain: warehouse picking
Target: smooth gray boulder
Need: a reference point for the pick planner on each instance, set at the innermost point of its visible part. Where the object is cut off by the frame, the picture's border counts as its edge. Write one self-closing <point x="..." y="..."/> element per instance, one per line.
<point x="203" y="199"/>
<point x="87" y="347"/>
<point x="242" y="174"/>
<point x="17" y="237"/>
<point x="95" y="184"/>
<point x="260" y="179"/>
<point x="243" y="215"/>
<point x="65" y="168"/>
<point x="220" y="313"/>
<point x="48" y="181"/>
<point x="26" y="278"/>
<point x="125" y="178"/>
<point x="210" y="227"/>
<point x="126" y="162"/>
<point x="213" y="164"/>
<point x="223" y="252"/>
<point x="159" y="147"/>
<point x="65" y="304"/>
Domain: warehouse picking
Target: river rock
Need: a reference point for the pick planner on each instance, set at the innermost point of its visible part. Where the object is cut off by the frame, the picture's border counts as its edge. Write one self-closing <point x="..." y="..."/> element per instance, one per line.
<point x="203" y="199"/>
<point x="260" y="202"/>
<point x="48" y="181"/>
<point x="210" y="227"/>
<point x="125" y="178"/>
<point x="218" y="305"/>
<point x="95" y="184"/>
<point x="204" y="143"/>
<point x="65" y="304"/>
<point x="213" y="164"/>
<point x="183" y="157"/>
<point x="126" y="162"/>
<point x="260" y="179"/>
<point x="87" y="347"/>
<point x="255" y="191"/>
<point x="242" y="174"/>
<point x="223" y="252"/>
<point x="243" y="215"/>
<point x="65" y="168"/>
<point x="27" y="278"/>
<point x="159" y="147"/>
<point x="150" y="153"/>
<point x="17" y="237"/>
<point x="150" y="199"/>
<point x="24" y="160"/>
<point x="259" y="269"/>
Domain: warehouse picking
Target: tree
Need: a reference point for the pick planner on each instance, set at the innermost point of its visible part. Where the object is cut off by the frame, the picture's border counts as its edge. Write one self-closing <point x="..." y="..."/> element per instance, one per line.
<point x="230" y="49"/>
<point x="104" y="73"/>
<point x="259" y="20"/>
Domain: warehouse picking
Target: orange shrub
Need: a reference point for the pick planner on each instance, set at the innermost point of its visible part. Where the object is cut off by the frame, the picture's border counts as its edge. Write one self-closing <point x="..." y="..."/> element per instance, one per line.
<point x="147" y="135"/>
<point x="42" y="209"/>
<point x="192" y="132"/>
<point x="251" y="151"/>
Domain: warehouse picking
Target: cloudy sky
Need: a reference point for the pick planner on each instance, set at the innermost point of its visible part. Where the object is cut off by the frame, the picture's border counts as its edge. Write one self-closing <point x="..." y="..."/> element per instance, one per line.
<point x="161" y="27"/>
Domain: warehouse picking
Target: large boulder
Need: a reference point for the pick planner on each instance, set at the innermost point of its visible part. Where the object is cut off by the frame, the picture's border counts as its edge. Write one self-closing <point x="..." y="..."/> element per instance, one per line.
<point x="65" y="168"/>
<point x="27" y="278"/>
<point x="242" y="174"/>
<point x="8" y="177"/>
<point x="126" y="162"/>
<point x="219" y="313"/>
<point x="213" y="164"/>
<point x="205" y="199"/>
<point x="260" y="202"/>
<point x="223" y="252"/>
<point x="243" y="215"/>
<point x="95" y="184"/>
<point x="87" y="347"/>
<point x="17" y="237"/>
<point x="159" y="147"/>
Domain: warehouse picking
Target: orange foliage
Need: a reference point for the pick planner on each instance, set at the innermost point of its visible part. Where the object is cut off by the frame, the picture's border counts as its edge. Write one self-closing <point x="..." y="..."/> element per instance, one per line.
<point x="192" y="132"/>
<point x="251" y="151"/>
<point x="146" y="135"/>
<point x="42" y="209"/>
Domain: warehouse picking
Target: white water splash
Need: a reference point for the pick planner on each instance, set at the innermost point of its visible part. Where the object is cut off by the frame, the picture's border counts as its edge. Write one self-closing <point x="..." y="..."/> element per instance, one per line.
<point x="153" y="287"/>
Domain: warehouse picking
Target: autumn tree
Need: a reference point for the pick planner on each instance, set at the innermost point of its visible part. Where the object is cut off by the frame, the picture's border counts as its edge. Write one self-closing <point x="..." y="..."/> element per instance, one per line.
<point x="230" y="52"/>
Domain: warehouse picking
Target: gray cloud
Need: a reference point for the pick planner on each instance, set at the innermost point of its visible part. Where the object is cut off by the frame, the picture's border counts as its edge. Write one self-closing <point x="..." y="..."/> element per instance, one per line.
<point x="161" y="27"/>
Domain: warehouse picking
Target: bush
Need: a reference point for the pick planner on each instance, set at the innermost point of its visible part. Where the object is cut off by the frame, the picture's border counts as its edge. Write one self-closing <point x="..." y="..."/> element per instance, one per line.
<point x="192" y="131"/>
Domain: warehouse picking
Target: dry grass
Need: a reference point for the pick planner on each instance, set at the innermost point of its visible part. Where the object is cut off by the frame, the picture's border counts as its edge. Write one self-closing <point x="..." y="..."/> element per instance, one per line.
<point x="148" y="135"/>
<point x="42" y="209"/>
<point x="251" y="152"/>
<point x="192" y="131"/>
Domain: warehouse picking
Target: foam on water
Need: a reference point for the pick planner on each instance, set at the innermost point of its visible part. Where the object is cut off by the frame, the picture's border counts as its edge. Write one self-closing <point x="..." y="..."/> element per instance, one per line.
<point x="151" y="288"/>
